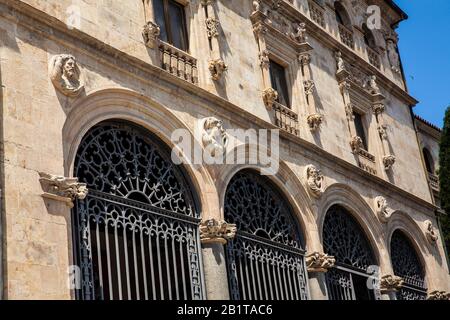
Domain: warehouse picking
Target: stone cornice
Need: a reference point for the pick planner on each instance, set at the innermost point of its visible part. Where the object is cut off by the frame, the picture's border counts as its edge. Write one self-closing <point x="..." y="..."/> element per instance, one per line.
<point x="349" y="55"/>
<point x="428" y="128"/>
<point x="56" y="30"/>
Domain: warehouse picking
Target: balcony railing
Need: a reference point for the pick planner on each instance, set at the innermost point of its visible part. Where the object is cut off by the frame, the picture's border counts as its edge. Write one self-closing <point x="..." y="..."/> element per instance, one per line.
<point x="285" y="118"/>
<point x="346" y="36"/>
<point x="316" y="13"/>
<point x="374" y="57"/>
<point x="434" y="181"/>
<point x="367" y="161"/>
<point x="178" y="63"/>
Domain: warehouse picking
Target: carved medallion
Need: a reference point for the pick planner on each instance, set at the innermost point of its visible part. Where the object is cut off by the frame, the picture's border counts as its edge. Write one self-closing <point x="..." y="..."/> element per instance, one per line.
<point x="66" y="75"/>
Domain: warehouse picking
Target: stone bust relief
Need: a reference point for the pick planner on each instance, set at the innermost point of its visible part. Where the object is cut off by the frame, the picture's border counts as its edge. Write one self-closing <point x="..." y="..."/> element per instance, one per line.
<point x="66" y="75"/>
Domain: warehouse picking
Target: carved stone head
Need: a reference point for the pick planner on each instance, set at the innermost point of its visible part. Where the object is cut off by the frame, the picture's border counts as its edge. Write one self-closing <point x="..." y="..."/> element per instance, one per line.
<point x="66" y="75"/>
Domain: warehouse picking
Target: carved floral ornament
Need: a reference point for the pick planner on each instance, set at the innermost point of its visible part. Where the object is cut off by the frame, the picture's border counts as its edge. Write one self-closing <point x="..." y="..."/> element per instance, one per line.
<point x="214" y="137"/>
<point x="319" y="262"/>
<point x="217" y="67"/>
<point x="65" y="75"/>
<point x="314" y="180"/>
<point x="391" y="283"/>
<point x="431" y="232"/>
<point x="62" y="189"/>
<point x="150" y="33"/>
<point x="384" y="212"/>
<point x="212" y="27"/>
<point x="214" y="231"/>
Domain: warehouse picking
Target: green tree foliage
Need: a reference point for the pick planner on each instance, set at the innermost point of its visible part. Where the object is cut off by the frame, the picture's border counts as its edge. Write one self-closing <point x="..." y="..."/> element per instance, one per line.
<point x="444" y="177"/>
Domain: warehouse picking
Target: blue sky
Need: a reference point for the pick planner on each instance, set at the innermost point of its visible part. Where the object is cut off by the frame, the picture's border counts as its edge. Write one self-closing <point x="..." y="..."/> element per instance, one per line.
<point x="425" y="49"/>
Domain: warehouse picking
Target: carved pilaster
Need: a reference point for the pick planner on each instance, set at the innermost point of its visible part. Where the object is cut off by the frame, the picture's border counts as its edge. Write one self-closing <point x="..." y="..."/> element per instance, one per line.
<point x="390" y="283"/>
<point x="214" y="231"/>
<point x="319" y="262"/>
<point x="62" y="189"/>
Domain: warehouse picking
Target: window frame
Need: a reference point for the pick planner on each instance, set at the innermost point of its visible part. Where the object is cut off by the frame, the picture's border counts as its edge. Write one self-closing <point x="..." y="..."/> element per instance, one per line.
<point x="287" y="98"/>
<point x="365" y="137"/>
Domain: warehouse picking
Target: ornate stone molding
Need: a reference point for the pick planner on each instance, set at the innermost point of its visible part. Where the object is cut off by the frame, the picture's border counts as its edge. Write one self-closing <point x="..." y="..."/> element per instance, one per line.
<point x="214" y="137"/>
<point x="150" y="33"/>
<point x="213" y="231"/>
<point x="430" y="232"/>
<point x="384" y="212"/>
<point x="270" y="95"/>
<point x="314" y="180"/>
<point x="390" y="283"/>
<point x="299" y="33"/>
<point x="319" y="262"/>
<point x="217" y="67"/>
<point x="62" y="189"/>
<point x="212" y="27"/>
<point x="264" y="60"/>
<point x="314" y="121"/>
<point x="372" y="86"/>
<point x="389" y="161"/>
<point x="309" y="87"/>
<point x="438" y="295"/>
<point x="66" y="75"/>
<point x="356" y="144"/>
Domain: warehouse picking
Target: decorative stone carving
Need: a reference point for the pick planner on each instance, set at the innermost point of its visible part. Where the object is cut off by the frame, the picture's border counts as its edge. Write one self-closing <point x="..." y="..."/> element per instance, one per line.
<point x="430" y="232"/>
<point x="391" y="50"/>
<point x="217" y="67"/>
<point x="349" y="112"/>
<point x="384" y="212"/>
<point x="389" y="161"/>
<point x="213" y="231"/>
<point x="339" y="61"/>
<point x="264" y="60"/>
<point x="372" y="85"/>
<point x="66" y="75"/>
<point x="438" y="295"/>
<point x="256" y="6"/>
<point x="314" y="180"/>
<point x="305" y="59"/>
<point x="299" y="33"/>
<point x="356" y="144"/>
<point x="270" y="95"/>
<point x="378" y="108"/>
<point x="390" y="283"/>
<point x="319" y="262"/>
<point x="314" y="121"/>
<point x="212" y="25"/>
<point x="62" y="189"/>
<point x="309" y="86"/>
<point x="207" y="2"/>
<point x="214" y="137"/>
<point x="150" y="33"/>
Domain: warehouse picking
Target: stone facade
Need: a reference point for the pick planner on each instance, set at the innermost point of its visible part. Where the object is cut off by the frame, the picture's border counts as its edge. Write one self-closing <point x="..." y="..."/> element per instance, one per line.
<point x="122" y="76"/>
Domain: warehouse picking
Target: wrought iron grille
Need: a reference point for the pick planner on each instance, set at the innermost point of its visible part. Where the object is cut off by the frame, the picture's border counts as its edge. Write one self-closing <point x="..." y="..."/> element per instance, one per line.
<point x="137" y="231"/>
<point x="344" y="239"/>
<point x="266" y="259"/>
<point x="406" y="264"/>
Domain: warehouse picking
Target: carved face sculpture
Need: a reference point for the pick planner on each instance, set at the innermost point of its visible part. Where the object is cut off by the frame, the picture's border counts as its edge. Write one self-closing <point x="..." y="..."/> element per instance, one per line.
<point x="69" y="68"/>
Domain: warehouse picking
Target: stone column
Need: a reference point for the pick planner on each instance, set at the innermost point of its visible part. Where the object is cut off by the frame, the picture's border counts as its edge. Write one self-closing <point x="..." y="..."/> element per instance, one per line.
<point x="214" y="236"/>
<point x="317" y="265"/>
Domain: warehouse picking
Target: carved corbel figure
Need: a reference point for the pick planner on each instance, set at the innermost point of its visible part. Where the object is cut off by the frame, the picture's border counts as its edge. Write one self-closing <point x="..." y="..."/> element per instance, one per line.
<point x="389" y="161"/>
<point x="384" y="212"/>
<point x="270" y="96"/>
<point x="217" y="67"/>
<point x="319" y="262"/>
<point x="372" y="85"/>
<point x="339" y="62"/>
<point x="314" y="121"/>
<point x="299" y="33"/>
<point x="314" y="180"/>
<point x="62" y="189"/>
<point x="430" y="232"/>
<point x="214" y="137"/>
<point x="356" y="144"/>
<point x="390" y="283"/>
<point x="214" y="231"/>
<point x="66" y="75"/>
<point x="150" y="33"/>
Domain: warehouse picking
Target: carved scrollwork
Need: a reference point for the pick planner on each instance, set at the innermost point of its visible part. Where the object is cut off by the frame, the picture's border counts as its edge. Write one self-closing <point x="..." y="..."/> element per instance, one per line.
<point x="384" y="212"/>
<point x="150" y="33"/>
<point x="391" y="283"/>
<point x="214" y="137"/>
<point x="217" y="67"/>
<point x="319" y="262"/>
<point x="61" y="188"/>
<point x="270" y="95"/>
<point x="431" y="232"/>
<point x="314" y="179"/>
<point x="212" y="27"/>
<point x="66" y="75"/>
<point x="213" y="231"/>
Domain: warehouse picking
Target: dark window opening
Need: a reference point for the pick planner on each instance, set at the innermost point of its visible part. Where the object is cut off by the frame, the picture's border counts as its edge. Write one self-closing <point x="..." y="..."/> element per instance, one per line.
<point x="369" y="38"/>
<point x="341" y="15"/>
<point x="171" y="18"/>
<point x="279" y="83"/>
<point x="360" y="129"/>
<point x="429" y="163"/>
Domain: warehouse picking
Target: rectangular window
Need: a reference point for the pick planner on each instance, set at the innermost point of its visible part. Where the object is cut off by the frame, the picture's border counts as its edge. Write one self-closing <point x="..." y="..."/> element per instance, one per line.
<point x="360" y="129"/>
<point x="279" y="83"/>
<point x="171" y="18"/>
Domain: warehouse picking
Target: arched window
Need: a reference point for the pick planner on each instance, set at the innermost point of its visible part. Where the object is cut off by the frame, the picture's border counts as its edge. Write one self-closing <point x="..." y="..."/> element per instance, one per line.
<point x="344" y="239"/>
<point x="429" y="162"/>
<point x="266" y="259"/>
<point x="341" y="14"/>
<point x="136" y="233"/>
<point x="369" y="38"/>
<point x="406" y="264"/>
